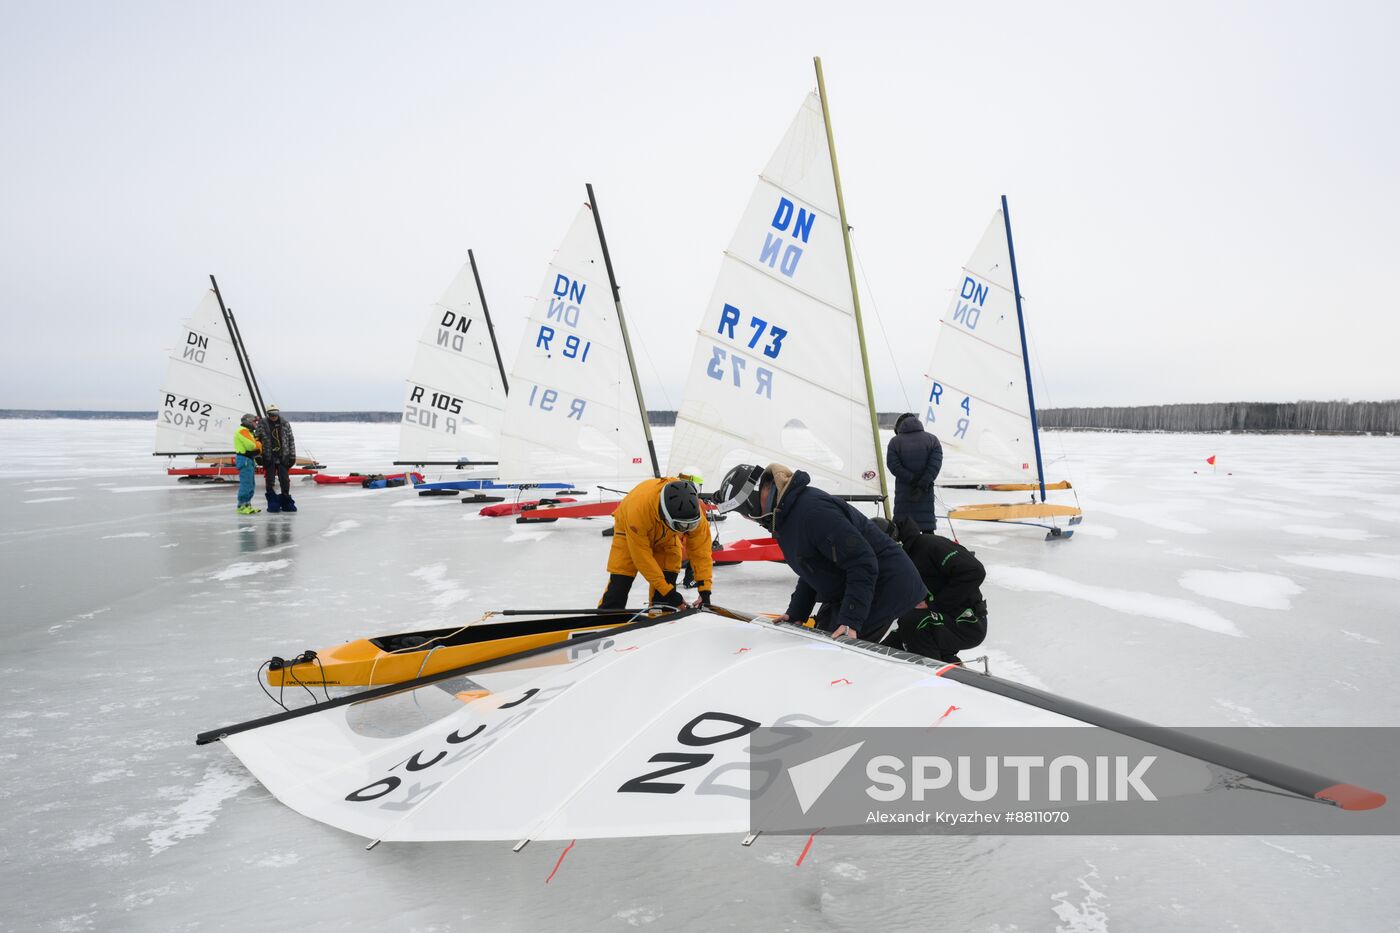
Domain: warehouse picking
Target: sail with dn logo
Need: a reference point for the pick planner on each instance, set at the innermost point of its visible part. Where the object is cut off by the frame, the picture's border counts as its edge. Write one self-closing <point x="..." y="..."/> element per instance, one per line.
<point x="779" y="371"/>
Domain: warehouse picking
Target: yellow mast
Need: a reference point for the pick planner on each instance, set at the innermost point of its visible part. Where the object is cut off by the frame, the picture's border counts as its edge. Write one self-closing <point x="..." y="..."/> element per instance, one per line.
<point x="855" y="293"/>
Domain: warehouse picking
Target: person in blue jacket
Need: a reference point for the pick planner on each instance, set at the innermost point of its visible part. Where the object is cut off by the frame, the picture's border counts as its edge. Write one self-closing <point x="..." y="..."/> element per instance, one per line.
<point x="914" y="457"/>
<point x="862" y="578"/>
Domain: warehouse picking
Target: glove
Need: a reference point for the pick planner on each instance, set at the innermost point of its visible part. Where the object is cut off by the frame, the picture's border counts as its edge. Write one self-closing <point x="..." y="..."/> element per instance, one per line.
<point x="288" y="461"/>
<point x="673" y="599"/>
<point x="920" y="490"/>
<point x="704" y="597"/>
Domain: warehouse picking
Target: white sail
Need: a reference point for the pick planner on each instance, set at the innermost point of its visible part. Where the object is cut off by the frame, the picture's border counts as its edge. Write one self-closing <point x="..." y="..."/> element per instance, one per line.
<point x="977" y="401"/>
<point x="573" y="409"/>
<point x="204" y="394"/>
<point x="559" y="755"/>
<point x="777" y="373"/>
<point x="454" y="400"/>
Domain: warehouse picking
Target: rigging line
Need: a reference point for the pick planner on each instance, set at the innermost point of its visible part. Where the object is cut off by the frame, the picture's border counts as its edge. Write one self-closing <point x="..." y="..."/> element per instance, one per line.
<point x="656" y="373"/>
<point x="1064" y="456"/>
<point x="880" y="323"/>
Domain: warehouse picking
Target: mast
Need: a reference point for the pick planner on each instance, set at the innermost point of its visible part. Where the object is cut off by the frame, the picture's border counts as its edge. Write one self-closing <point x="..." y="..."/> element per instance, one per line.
<point x="1025" y="350"/>
<point x="855" y="293"/>
<point x="486" y="312"/>
<point x="626" y="341"/>
<point x="236" y="339"/>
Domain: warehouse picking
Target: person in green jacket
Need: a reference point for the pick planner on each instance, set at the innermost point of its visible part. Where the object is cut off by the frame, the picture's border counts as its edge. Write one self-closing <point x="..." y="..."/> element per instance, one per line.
<point x="246" y="449"/>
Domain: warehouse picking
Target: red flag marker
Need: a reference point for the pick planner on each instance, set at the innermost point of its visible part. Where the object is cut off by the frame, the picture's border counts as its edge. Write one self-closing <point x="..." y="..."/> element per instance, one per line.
<point x="1211" y="459"/>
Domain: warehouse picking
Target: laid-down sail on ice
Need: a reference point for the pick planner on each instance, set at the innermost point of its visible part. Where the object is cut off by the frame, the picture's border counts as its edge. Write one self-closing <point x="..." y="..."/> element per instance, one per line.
<point x="641" y="730"/>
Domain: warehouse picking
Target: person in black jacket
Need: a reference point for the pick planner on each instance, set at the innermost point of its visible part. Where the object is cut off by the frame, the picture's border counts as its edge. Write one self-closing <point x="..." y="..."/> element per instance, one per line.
<point x="279" y="453"/>
<point x="863" y="579"/>
<point x="954" y="617"/>
<point x="914" y="457"/>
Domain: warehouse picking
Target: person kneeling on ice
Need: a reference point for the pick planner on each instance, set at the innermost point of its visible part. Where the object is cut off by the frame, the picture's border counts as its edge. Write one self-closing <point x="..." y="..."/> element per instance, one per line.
<point x="245" y="449"/>
<point x="279" y="450"/>
<point x="954" y="617"/>
<point x="648" y="526"/>
<point x="863" y="579"/>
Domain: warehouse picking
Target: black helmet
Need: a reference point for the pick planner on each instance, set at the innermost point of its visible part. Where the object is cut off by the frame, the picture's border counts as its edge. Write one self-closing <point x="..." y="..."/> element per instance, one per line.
<point x="886" y="526"/>
<point x="738" y="491"/>
<point x="680" y="506"/>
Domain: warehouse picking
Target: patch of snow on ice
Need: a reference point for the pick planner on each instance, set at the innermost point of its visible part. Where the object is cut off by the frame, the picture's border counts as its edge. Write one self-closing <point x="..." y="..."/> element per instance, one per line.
<point x="1127" y="601"/>
<point x="532" y="535"/>
<point x="1316" y="868"/>
<point x="1361" y="638"/>
<point x="1243" y="714"/>
<point x="849" y="871"/>
<point x="176" y="544"/>
<point x="146" y="898"/>
<point x="247" y="569"/>
<point x="447" y="592"/>
<point x="103" y="777"/>
<point x="50" y="489"/>
<point x="339" y="528"/>
<point x="196" y="813"/>
<point x="1088" y="916"/>
<point x="1369" y="565"/>
<point x="1261" y="590"/>
<point x="637" y="916"/>
<point x="128" y="534"/>
<point x="1334" y="534"/>
<point x="278" y="860"/>
<point x="1158" y="515"/>
<point x="94" y="614"/>
<point x="1092" y="530"/>
<point x="89" y="839"/>
<point x="48" y="499"/>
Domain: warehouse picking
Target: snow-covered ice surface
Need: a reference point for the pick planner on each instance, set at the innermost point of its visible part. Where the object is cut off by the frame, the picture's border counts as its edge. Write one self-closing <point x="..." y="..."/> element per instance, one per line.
<point x="137" y="610"/>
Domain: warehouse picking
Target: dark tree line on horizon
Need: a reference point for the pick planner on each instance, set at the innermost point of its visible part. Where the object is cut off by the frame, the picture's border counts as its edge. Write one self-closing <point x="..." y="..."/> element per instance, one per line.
<point x="1335" y="417"/>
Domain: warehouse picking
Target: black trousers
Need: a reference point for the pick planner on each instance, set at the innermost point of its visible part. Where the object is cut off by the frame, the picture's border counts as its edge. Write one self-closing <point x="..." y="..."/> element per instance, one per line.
<point x="276" y="471"/>
<point x="919" y="633"/>
<point x="620" y="587"/>
<point x="826" y="622"/>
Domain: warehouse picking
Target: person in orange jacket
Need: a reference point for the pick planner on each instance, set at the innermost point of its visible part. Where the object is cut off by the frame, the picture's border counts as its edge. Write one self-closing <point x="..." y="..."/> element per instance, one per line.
<point x="648" y="528"/>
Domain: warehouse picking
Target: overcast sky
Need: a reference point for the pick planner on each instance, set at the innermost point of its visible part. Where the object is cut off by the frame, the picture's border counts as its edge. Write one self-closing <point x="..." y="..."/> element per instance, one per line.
<point x="1204" y="195"/>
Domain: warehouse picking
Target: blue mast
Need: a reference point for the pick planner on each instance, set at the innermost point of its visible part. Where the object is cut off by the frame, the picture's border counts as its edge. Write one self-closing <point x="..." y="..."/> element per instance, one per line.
<point x="1025" y="351"/>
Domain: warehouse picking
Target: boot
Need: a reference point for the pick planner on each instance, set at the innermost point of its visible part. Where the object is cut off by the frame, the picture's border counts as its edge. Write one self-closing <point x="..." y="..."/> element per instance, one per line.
<point x="274" y="504"/>
<point x="286" y="503"/>
<point x="247" y="509"/>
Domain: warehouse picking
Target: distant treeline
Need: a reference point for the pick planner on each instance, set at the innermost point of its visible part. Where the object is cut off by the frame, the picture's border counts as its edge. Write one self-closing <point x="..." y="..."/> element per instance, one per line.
<point x="1299" y="417"/>
<point x="1287" y="417"/>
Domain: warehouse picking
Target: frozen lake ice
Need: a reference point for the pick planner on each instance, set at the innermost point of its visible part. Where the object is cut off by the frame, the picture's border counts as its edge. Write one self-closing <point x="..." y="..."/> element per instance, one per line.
<point x="138" y="609"/>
